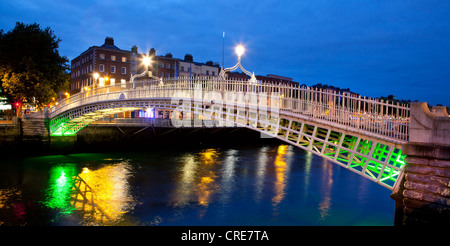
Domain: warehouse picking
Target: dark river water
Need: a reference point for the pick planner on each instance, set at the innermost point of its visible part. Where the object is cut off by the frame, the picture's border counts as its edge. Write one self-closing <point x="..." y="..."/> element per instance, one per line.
<point x="244" y="186"/>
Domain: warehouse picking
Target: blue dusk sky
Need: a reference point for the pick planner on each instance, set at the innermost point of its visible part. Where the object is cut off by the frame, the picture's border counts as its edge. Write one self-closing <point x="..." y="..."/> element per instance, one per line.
<point x="374" y="47"/>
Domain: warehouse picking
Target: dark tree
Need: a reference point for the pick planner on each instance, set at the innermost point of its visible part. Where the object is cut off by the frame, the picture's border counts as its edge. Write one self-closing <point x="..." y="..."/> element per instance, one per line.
<point x="31" y="68"/>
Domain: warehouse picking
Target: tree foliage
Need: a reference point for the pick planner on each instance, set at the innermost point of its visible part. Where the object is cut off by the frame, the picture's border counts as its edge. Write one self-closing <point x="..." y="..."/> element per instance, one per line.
<point x="31" y="68"/>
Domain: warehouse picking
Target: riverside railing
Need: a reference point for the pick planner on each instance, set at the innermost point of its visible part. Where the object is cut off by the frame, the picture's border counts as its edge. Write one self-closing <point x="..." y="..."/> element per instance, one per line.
<point x="339" y="109"/>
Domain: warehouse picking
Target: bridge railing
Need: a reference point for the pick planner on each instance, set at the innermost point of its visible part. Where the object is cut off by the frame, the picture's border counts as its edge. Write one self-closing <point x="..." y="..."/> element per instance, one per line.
<point x="328" y="106"/>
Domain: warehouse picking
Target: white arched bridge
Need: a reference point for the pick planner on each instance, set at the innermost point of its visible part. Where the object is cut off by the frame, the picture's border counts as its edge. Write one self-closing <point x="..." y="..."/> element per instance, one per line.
<point x="362" y="134"/>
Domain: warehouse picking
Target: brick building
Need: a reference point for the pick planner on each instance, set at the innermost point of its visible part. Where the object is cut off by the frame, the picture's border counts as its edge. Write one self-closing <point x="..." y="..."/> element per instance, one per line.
<point x="111" y="63"/>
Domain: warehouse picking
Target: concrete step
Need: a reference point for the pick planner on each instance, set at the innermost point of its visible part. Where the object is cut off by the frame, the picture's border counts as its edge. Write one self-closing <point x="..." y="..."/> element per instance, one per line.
<point x="34" y="127"/>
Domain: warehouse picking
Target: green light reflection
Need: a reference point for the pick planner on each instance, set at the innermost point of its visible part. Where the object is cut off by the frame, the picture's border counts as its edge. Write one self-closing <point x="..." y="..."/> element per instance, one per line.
<point x="60" y="183"/>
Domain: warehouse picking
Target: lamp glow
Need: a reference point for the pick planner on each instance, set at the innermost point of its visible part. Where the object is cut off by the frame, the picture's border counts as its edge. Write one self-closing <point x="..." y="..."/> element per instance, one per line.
<point x="146" y="61"/>
<point x="96" y="75"/>
<point x="240" y="50"/>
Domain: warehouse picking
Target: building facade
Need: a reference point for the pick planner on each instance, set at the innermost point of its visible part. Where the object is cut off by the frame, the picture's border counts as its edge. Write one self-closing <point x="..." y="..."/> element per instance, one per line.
<point x="188" y="67"/>
<point x="112" y="64"/>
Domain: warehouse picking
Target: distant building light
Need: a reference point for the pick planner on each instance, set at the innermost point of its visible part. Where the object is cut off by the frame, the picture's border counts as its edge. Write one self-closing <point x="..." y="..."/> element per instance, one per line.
<point x="5" y="107"/>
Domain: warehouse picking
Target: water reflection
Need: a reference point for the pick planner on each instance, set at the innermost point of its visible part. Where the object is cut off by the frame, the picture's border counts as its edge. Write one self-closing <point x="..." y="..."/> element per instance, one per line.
<point x="228" y="174"/>
<point x="198" y="178"/>
<point x="282" y="163"/>
<point x="207" y="185"/>
<point x="59" y="191"/>
<point x="261" y="172"/>
<point x="104" y="193"/>
<point x="185" y="185"/>
<point x="327" y="184"/>
<point x="10" y="203"/>
<point x="271" y="185"/>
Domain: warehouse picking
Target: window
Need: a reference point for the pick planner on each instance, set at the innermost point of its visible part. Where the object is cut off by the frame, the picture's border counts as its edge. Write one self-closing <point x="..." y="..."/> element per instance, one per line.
<point x="113" y="81"/>
<point x="182" y="68"/>
<point x="168" y="65"/>
<point x="161" y="65"/>
<point x="213" y="73"/>
<point x="124" y="70"/>
<point x="124" y="59"/>
<point x="113" y="57"/>
<point x="101" y="68"/>
<point x="123" y="83"/>
<point x="102" y="56"/>
<point x="207" y="72"/>
<point x="101" y="81"/>
<point x="113" y="69"/>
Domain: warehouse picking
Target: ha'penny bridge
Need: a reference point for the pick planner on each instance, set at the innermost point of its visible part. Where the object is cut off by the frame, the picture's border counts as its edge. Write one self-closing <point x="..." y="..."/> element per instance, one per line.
<point x="374" y="138"/>
<point x="361" y="134"/>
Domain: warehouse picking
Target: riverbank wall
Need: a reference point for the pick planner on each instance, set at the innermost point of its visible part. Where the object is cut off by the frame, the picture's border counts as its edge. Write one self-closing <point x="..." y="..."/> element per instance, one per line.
<point x="101" y="138"/>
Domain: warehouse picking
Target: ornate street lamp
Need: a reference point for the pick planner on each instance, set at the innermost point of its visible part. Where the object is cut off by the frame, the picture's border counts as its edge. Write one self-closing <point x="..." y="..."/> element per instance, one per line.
<point x="239" y="51"/>
<point x="146" y="60"/>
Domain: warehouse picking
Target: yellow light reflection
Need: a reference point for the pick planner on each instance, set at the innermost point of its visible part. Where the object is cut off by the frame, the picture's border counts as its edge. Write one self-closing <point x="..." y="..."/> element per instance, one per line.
<point x="208" y="156"/>
<point x="105" y="193"/>
<point x="197" y="179"/>
<point x="8" y="194"/>
<point x="281" y="171"/>
<point x="207" y="185"/>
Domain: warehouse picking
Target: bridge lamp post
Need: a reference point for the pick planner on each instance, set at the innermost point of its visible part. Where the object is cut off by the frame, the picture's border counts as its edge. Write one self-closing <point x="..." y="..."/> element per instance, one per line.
<point x="239" y="52"/>
<point x="146" y="60"/>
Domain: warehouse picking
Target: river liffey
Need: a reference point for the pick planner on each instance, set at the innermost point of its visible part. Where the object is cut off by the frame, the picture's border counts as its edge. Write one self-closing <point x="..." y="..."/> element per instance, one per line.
<point x="267" y="185"/>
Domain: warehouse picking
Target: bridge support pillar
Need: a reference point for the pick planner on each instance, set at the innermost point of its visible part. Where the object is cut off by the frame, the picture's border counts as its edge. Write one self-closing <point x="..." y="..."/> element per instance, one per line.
<point x="423" y="196"/>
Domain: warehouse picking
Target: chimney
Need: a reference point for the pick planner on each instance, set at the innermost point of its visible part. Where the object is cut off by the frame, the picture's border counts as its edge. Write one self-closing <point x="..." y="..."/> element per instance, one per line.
<point x="134" y="49"/>
<point x="188" y="57"/>
<point x="152" y="52"/>
<point x="109" y="41"/>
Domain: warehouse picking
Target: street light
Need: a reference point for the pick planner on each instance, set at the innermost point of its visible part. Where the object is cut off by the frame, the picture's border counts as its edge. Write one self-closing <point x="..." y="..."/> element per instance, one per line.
<point x="96" y="75"/>
<point x="239" y="51"/>
<point x="146" y="60"/>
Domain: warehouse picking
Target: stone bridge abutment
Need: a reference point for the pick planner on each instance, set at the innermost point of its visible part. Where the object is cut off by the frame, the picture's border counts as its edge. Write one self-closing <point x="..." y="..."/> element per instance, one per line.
<point x="423" y="196"/>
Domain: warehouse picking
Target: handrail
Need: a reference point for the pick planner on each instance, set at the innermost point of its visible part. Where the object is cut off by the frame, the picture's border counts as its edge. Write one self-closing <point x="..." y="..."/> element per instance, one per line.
<point x="338" y="108"/>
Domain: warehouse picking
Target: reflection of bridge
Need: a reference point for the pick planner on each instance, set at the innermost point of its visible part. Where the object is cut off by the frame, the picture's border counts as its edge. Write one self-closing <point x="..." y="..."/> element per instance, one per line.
<point x="362" y="134"/>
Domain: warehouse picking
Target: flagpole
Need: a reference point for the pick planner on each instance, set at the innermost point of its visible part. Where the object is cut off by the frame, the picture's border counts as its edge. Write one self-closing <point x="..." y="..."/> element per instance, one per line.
<point x="223" y="49"/>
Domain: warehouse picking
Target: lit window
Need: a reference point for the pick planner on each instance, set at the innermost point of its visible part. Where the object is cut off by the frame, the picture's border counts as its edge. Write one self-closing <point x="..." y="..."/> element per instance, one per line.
<point x="113" y="69"/>
<point x="113" y="57"/>
<point x="123" y="83"/>
<point x="102" y="56"/>
<point x="101" y="81"/>
<point x="113" y="81"/>
<point x="124" y="59"/>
